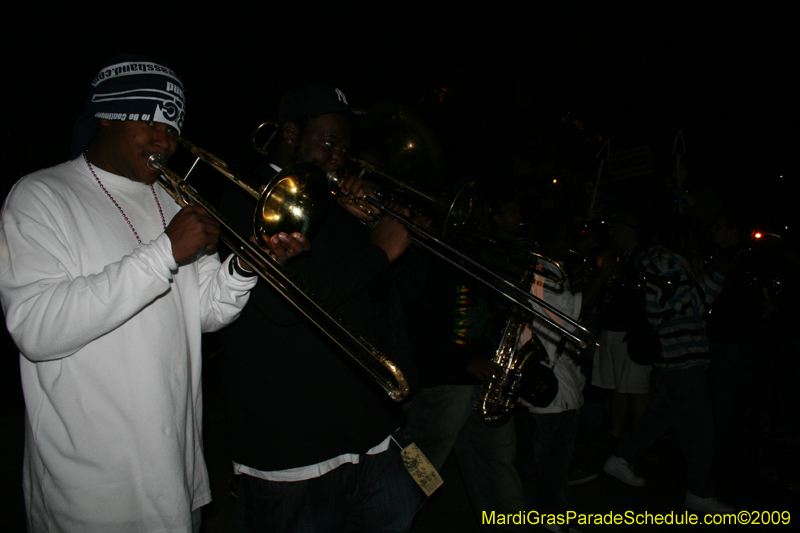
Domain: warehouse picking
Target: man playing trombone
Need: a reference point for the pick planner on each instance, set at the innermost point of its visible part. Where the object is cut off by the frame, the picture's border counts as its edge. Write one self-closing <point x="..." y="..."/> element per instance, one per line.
<point x="310" y="438"/>
<point x="106" y="286"/>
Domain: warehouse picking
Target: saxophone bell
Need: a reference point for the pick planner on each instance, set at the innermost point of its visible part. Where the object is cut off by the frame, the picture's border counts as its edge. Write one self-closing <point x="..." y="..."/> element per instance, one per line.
<point x="497" y="400"/>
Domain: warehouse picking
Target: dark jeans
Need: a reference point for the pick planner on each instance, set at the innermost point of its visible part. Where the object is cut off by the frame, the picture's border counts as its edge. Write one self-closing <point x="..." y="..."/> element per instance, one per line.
<point x="442" y="419"/>
<point x="378" y="494"/>
<point x="682" y="401"/>
<point x="553" y="443"/>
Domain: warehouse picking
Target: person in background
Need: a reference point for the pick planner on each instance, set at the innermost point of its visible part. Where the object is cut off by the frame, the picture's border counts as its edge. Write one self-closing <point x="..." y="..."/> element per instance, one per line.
<point x="682" y="399"/>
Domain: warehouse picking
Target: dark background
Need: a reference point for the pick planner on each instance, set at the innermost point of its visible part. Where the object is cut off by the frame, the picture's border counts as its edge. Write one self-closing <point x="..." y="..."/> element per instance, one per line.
<point x="517" y="95"/>
<point x="498" y="85"/>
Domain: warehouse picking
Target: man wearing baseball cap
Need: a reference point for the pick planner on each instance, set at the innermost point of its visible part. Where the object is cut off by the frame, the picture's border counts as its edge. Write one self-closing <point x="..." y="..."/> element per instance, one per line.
<point x="310" y="434"/>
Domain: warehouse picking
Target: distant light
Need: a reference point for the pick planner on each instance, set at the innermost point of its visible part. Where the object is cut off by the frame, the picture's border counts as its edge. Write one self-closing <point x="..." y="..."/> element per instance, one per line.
<point x="555" y="181"/>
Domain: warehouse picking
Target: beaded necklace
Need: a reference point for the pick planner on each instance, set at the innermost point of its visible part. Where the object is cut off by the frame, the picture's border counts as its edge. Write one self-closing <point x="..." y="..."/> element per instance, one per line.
<point x="119" y="208"/>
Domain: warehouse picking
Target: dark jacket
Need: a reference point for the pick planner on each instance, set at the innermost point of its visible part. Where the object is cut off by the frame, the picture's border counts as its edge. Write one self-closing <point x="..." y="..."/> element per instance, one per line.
<point x="293" y="398"/>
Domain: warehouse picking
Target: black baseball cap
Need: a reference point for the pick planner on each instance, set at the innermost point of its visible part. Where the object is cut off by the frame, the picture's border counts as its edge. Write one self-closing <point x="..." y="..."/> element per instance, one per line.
<point x="313" y="99"/>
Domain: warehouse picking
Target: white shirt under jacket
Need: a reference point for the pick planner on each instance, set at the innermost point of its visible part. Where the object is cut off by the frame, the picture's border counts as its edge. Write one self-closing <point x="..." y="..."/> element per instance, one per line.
<point x="109" y="333"/>
<point x="565" y="368"/>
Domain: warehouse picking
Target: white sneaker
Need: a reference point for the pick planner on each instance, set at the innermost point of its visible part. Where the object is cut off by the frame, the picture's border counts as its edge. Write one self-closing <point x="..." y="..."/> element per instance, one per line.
<point x="622" y="470"/>
<point x="706" y="505"/>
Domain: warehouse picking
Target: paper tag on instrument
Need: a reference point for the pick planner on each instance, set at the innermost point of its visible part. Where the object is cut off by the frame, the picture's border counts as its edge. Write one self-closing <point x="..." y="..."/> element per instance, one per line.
<point x="423" y="472"/>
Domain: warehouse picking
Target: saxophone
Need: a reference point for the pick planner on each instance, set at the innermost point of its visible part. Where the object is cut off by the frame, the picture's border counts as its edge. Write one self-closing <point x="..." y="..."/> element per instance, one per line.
<point x="496" y="401"/>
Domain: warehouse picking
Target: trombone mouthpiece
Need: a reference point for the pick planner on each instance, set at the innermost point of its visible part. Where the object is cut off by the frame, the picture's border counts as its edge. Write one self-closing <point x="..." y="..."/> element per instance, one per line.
<point x="155" y="162"/>
<point x="333" y="178"/>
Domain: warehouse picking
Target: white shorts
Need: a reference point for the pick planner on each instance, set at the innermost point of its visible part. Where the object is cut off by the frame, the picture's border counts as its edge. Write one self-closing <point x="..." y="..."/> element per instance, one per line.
<point x="613" y="369"/>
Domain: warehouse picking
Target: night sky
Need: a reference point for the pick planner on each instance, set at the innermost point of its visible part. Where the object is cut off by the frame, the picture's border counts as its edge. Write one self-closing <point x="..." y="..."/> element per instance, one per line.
<point x="494" y="83"/>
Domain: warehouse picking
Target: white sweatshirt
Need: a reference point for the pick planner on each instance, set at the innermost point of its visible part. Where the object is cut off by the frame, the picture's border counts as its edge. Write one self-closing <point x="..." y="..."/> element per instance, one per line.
<point x="109" y="333"/>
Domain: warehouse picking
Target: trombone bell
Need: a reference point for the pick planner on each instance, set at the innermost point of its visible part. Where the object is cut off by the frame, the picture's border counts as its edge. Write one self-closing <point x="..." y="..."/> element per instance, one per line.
<point x="293" y="201"/>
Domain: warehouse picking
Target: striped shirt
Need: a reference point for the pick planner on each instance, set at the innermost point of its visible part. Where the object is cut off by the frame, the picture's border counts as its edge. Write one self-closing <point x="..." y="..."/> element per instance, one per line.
<point x="677" y="317"/>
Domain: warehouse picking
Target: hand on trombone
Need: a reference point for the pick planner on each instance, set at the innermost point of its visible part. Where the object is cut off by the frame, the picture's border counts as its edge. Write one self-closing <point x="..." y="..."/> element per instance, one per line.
<point x="282" y="247"/>
<point x="352" y="191"/>
<point x="190" y="231"/>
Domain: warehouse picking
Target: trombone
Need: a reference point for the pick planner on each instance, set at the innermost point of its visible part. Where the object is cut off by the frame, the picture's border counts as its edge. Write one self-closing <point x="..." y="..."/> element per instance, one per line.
<point x="294" y="190"/>
<point x="516" y="257"/>
<point x="457" y="213"/>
